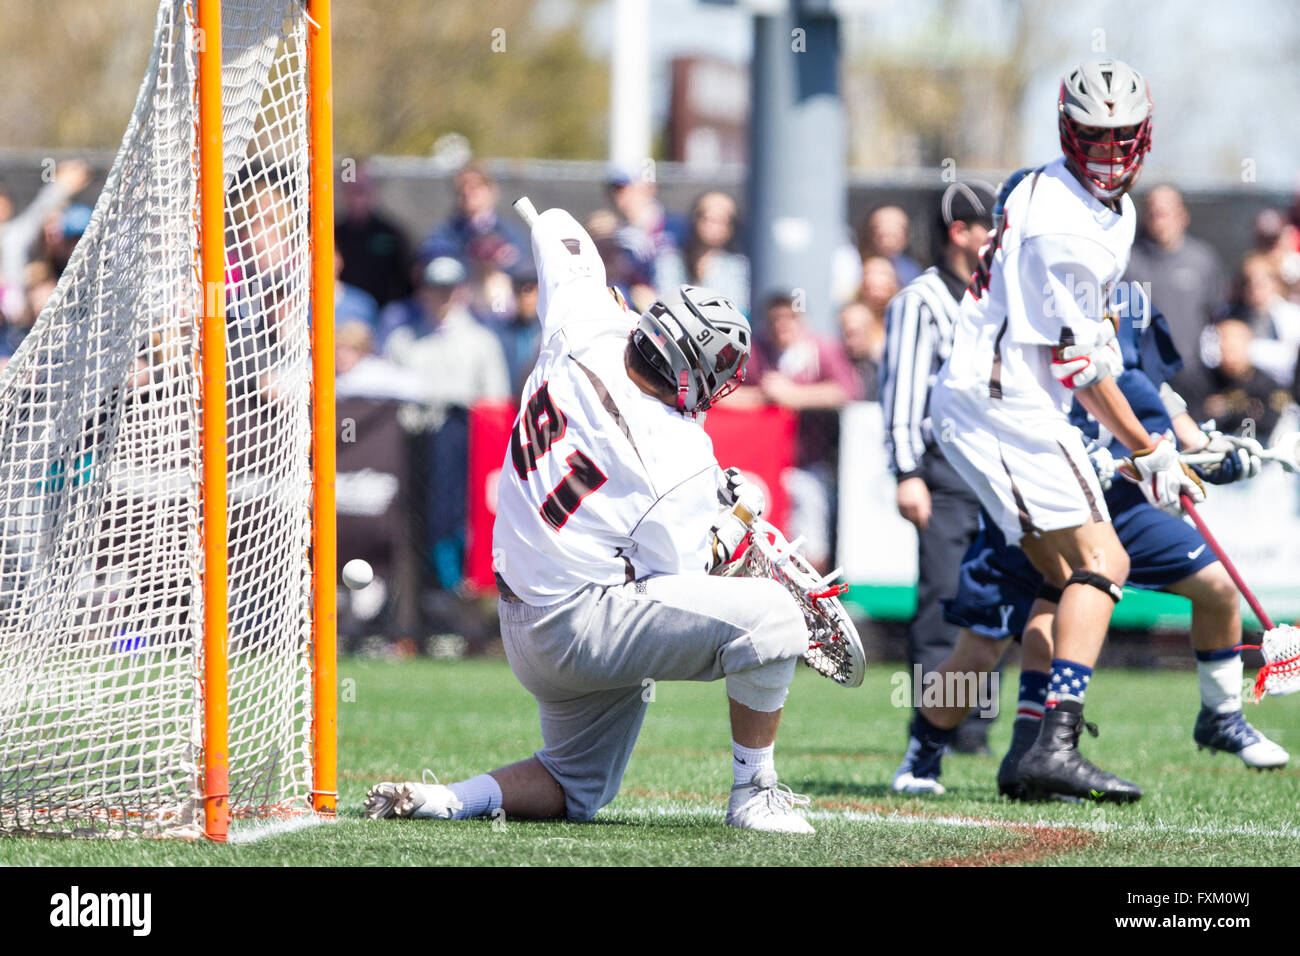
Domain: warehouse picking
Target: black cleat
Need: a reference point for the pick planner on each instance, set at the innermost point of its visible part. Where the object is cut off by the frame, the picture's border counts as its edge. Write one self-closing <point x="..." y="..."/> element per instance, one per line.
<point x="1023" y="735"/>
<point x="1054" y="767"/>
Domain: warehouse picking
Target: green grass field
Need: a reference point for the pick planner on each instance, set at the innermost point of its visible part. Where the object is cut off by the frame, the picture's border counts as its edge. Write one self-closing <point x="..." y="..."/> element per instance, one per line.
<point x="839" y="747"/>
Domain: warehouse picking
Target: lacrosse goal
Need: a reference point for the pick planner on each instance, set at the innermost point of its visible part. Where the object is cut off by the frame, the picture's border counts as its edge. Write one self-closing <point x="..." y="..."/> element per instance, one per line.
<point x="166" y="458"/>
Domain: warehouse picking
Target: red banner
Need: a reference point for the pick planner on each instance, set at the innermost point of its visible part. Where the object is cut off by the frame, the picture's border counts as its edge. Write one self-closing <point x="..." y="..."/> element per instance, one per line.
<point x="760" y="442"/>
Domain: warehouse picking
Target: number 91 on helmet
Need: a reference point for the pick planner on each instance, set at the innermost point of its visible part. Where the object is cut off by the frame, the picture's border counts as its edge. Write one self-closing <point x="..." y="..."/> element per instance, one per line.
<point x="698" y="341"/>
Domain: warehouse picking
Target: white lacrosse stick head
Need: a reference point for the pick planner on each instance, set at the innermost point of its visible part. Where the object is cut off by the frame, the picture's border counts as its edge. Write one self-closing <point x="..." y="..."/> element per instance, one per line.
<point x="1287" y="451"/>
<point x="834" y="647"/>
<point x="1280" y="674"/>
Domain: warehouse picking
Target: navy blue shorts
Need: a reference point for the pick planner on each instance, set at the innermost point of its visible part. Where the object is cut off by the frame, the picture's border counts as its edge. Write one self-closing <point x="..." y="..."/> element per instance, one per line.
<point x="997" y="584"/>
<point x="1162" y="548"/>
<point x="995" y="587"/>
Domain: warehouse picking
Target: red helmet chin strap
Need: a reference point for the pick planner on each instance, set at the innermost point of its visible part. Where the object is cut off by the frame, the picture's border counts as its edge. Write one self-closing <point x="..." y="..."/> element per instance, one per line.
<point x="683" y="386"/>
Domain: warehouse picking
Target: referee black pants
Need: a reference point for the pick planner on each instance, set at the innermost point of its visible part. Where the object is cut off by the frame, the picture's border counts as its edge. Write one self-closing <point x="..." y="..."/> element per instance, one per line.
<point x="954" y="522"/>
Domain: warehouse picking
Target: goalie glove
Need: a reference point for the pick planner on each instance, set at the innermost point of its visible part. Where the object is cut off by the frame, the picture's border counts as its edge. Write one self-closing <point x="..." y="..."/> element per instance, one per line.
<point x="733" y="523"/>
<point x="1239" y="458"/>
<point x="1078" y="366"/>
<point x="1162" y="476"/>
<point x="733" y="486"/>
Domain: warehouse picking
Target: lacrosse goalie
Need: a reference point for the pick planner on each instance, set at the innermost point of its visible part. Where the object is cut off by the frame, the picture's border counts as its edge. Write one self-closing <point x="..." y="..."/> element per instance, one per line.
<point x="608" y="523"/>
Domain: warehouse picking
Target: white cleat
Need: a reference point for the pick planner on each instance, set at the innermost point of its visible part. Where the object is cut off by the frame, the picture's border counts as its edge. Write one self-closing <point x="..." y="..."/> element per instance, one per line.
<point x="428" y="800"/>
<point x="764" y="804"/>
<point x="1264" y="755"/>
<point x="1231" y="733"/>
<point x="907" y="780"/>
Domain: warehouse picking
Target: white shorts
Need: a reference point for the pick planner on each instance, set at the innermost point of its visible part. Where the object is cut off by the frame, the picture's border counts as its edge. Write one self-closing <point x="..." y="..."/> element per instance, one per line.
<point x="1031" y="474"/>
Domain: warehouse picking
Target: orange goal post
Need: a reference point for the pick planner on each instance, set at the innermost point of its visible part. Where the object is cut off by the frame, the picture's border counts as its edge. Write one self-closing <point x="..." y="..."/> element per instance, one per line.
<point x="167" y="553"/>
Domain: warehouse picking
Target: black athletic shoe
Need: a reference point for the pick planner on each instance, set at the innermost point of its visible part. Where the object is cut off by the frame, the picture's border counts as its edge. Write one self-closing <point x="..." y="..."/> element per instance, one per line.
<point x="1023" y="735"/>
<point x="1053" y="765"/>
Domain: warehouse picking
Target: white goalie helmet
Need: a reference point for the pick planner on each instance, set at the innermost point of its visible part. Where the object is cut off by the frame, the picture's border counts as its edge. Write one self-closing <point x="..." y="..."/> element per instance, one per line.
<point x="697" y="340"/>
<point x="1105" y="124"/>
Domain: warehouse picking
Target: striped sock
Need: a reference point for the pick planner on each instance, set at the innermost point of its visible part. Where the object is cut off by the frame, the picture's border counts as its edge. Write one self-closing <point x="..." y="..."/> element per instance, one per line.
<point x="1068" y="679"/>
<point x="1033" y="695"/>
<point x="1219" y="675"/>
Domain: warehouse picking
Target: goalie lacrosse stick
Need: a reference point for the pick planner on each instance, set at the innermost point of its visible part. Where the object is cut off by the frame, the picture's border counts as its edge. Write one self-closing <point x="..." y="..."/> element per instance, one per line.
<point x="1280" y="645"/>
<point x="834" y="648"/>
<point x="527" y="211"/>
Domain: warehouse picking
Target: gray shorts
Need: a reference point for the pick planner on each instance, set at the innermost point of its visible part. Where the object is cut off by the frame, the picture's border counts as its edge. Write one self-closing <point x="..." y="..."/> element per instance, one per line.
<point x="590" y="661"/>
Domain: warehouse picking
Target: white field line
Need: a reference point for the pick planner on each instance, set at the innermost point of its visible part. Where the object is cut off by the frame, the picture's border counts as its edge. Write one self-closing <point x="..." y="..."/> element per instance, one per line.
<point x="261" y="830"/>
<point x="691" y="814"/>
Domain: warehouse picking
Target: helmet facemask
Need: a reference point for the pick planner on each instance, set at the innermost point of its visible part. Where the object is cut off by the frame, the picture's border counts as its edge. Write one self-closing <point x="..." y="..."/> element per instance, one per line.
<point x="1109" y="158"/>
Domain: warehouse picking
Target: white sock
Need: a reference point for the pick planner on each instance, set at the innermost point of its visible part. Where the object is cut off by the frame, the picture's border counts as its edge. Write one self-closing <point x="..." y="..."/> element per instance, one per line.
<point x="745" y="762"/>
<point x="480" y="796"/>
<point x="1220" y="682"/>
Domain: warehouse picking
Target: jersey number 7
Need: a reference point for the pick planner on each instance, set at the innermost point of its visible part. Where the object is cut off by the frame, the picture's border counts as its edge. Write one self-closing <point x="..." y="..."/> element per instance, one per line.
<point x="542" y="424"/>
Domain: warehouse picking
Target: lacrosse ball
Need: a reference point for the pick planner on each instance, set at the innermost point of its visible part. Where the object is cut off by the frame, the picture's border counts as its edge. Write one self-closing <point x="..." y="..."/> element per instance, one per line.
<point x="357" y="574"/>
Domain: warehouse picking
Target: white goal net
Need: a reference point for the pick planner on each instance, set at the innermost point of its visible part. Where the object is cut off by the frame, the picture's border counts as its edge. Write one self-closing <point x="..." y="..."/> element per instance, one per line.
<point x="101" y="539"/>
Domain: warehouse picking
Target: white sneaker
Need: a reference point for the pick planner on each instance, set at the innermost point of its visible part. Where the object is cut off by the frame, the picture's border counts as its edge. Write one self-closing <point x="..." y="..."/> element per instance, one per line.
<point x="764" y="804"/>
<point x="906" y="780"/>
<point x="427" y="800"/>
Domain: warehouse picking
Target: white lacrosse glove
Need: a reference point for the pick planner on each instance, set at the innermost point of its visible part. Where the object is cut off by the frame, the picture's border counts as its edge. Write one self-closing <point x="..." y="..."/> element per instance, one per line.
<point x="1078" y="366"/>
<point x="733" y="487"/>
<point x="1103" y="462"/>
<point x="1241" y="458"/>
<point x="1162" y="476"/>
<point x="734" y="521"/>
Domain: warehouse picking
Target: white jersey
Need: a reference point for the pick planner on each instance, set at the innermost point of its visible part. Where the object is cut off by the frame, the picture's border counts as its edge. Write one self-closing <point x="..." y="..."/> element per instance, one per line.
<point x="602" y="484"/>
<point x="1046" y="280"/>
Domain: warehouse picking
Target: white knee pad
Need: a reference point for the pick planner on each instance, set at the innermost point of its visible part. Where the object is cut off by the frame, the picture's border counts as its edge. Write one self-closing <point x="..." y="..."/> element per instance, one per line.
<point x="762" y="688"/>
<point x="775" y="644"/>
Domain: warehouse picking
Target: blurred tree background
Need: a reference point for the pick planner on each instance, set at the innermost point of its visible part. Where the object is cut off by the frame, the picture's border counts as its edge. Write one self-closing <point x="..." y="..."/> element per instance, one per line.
<point x="924" y="81"/>
<point x="514" y="77"/>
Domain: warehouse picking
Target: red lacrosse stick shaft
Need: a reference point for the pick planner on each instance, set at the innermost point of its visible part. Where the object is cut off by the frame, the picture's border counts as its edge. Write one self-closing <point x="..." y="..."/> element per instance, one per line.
<point x="1263" y="617"/>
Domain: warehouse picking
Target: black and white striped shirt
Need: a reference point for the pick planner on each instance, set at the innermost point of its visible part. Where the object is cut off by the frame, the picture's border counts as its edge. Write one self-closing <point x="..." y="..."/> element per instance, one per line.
<point x="918" y="337"/>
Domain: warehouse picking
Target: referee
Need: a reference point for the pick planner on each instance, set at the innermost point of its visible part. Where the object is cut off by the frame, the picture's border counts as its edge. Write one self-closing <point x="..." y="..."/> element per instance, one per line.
<point x="931" y="495"/>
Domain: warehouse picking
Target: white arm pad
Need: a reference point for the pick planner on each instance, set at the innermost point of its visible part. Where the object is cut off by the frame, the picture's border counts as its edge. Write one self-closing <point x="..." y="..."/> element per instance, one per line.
<point x="1174" y="403"/>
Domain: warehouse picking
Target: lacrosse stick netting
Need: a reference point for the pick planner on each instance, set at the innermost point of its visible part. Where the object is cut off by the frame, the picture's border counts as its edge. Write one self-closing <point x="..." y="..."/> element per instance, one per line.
<point x="834" y="648"/>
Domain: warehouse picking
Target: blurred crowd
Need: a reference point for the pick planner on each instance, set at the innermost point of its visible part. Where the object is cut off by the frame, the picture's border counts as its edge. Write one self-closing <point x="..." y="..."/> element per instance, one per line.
<point x="1237" y="327"/>
<point x="435" y="323"/>
<point x="35" y="245"/>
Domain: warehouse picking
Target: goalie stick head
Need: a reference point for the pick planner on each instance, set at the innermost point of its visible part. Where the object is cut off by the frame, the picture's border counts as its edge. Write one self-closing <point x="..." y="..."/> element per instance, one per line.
<point x="834" y="648"/>
<point x="698" y="341"/>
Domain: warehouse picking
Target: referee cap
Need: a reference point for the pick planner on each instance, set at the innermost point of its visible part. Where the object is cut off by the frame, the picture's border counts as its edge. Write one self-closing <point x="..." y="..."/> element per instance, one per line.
<point x="967" y="202"/>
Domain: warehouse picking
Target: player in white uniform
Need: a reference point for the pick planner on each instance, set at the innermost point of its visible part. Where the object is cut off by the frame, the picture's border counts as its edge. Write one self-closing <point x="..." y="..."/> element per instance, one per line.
<point x="607" y="525"/>
<point x="1034" y="332"/>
